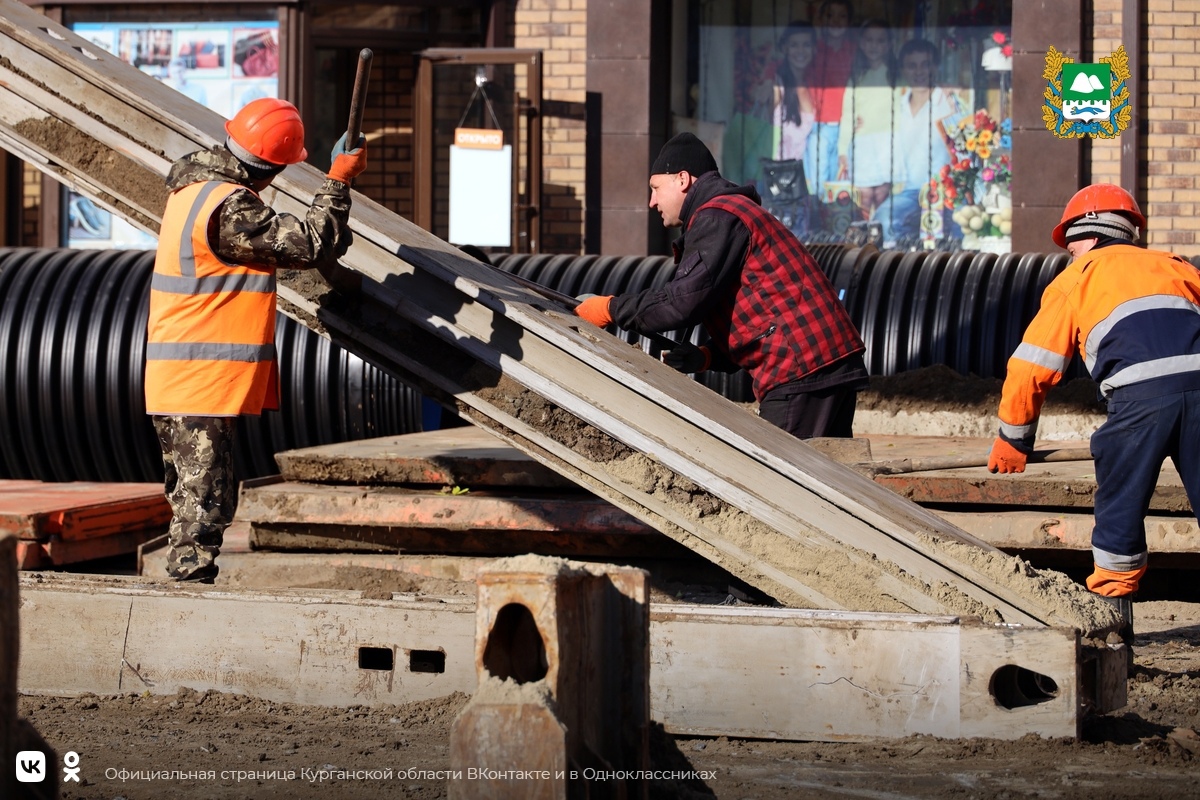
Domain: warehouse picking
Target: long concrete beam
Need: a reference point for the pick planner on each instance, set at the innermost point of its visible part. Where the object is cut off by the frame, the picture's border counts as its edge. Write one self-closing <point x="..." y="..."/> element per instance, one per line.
<point x="766" y="507"/>
<point x="714" y="670"/>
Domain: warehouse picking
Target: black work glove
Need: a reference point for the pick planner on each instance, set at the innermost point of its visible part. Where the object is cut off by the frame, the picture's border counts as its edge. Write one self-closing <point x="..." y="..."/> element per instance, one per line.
<point x="687" y="357"/>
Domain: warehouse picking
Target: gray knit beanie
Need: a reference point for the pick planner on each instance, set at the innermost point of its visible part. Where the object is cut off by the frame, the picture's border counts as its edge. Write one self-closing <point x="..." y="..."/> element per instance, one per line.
<point x="1101" y="224"/>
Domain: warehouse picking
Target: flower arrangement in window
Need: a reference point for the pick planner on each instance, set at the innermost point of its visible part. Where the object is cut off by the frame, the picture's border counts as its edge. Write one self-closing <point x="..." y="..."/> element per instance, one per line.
<point x="977" y="182"/>
<point x="1001" y="38"/>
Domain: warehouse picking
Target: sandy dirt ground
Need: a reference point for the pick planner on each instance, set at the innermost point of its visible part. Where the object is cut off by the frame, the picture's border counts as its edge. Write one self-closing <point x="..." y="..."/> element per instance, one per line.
<point x="252" y="747"/>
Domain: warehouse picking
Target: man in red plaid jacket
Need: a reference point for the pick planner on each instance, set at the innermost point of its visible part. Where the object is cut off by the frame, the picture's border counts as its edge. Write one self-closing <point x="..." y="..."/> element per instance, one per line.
<point x="763" y="300"/>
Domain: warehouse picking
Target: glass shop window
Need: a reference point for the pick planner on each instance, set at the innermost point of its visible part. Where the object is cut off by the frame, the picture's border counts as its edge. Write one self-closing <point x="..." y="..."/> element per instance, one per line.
<point x="221" y="64"/>
<point x="879" y="122"/>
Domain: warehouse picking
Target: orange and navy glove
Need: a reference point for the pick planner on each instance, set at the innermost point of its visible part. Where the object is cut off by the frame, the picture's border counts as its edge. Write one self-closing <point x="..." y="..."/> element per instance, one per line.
<point x="348" y="164"/>
<point x="687" y="357"/>
<point x="1006" y="457"/>
<point x="594" y="309"/>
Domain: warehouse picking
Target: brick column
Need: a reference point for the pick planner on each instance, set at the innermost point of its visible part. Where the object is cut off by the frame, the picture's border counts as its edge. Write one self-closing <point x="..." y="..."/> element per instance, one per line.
<point x="1046" y="170"/>
<point x="627" y="88"/>
<point x="1172" y="194"/>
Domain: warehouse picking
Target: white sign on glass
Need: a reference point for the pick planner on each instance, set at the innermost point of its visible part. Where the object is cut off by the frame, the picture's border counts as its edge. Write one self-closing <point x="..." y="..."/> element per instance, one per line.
<point x="480" y="188"/>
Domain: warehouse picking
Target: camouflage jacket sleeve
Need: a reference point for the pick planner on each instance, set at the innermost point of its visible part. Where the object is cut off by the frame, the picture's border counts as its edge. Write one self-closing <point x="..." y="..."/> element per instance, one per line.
<point x="250" y="232"/>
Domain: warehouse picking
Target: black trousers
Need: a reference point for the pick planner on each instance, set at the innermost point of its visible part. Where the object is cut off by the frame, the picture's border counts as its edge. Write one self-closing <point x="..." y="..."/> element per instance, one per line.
<point x="824" y="412"/>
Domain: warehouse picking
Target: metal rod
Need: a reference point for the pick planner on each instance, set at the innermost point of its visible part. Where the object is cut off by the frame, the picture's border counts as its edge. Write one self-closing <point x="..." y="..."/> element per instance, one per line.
<point x="905" y="465"/>
<point x="358" y="101"/>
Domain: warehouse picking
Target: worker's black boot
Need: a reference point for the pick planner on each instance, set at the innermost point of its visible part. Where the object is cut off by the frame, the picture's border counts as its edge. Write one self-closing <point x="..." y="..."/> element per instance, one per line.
<point x="1124" y="607"/>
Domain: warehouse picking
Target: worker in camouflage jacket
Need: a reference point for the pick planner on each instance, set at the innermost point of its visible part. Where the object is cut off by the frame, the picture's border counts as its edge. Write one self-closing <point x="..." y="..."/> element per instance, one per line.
<point x="763" y="300"/>
<point x="210" y="353"/>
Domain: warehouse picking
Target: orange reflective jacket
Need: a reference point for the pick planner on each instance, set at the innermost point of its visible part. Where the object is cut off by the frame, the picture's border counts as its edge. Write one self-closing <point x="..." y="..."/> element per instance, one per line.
<point x="211" y="343"/>
<point x="1132" y="314"/>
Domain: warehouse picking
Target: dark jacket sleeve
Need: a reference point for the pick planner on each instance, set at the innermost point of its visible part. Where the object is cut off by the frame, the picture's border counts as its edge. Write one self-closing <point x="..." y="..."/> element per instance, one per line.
<point x="250" y="232"/>
<point x="714" y="253"/>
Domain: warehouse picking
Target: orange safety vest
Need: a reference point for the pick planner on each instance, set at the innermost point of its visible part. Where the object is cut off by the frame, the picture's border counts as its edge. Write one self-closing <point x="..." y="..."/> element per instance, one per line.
<point x="210" y="350"/>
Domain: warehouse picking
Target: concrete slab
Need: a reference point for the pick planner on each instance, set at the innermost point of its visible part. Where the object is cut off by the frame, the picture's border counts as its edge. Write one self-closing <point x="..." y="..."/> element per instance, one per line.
<point x="464" y="457"/>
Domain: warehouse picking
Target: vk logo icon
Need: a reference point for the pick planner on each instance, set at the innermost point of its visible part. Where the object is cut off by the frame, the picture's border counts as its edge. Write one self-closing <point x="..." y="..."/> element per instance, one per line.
<point x="31" y="766"/>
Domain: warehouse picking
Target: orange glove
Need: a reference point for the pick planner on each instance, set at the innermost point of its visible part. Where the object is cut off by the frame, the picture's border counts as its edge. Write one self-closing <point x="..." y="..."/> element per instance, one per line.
<point x="594" y="309"/>
<point x="1110" y="583"/>
<point x="348" y="166"/>
<point x="1006" y="458"/>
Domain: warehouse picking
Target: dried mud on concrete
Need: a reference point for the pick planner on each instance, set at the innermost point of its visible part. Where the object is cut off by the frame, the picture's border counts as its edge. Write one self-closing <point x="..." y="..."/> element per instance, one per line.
<point x="1148" y="750"/>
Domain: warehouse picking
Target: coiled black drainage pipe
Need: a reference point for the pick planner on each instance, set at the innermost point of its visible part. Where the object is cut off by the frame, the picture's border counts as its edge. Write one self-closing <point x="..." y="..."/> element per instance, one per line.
<point x="72" y="360"/>
<point x="966" y="310"/>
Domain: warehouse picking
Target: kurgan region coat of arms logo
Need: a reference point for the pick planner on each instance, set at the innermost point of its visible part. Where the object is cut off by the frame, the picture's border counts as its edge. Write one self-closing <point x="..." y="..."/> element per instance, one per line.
<point x="1086" y="99"/>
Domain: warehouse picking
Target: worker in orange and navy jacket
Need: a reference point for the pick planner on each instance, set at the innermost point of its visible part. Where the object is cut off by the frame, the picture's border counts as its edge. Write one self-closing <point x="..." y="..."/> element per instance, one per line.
<point x="762" y="298"/>
<point x="210" y="354"/>
<point x="1134" y="317"/>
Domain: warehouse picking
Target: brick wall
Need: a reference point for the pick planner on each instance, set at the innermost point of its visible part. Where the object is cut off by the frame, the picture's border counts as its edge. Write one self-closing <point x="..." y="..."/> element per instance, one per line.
<point x="559" y="29"/>
<point x="1172" y="190"/>
<point x="1167" y="160"/>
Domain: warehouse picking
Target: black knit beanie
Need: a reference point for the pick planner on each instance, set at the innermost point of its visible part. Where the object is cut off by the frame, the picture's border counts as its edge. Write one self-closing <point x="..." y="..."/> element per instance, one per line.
<point x="684" y="153"/>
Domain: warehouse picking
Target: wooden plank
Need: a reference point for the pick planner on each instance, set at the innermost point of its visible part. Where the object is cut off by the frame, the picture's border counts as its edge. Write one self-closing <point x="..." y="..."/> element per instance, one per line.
<point x="79" y="510"/>
<point x="769" y="673"/>
<point x="467" y="456"/>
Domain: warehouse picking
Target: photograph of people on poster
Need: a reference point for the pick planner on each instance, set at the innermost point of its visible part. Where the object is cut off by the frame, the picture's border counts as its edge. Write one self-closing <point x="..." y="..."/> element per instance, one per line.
<point x="255" y="52"/>
<point x="148" y="49"/>
<point x="205" y="50"/>
<point x="893" y="119"/>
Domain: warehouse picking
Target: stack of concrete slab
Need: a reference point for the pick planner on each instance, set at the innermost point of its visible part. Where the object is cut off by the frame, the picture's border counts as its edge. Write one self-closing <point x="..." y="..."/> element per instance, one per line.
<point x="462" y="491"/>
<point x="452" y="492"/>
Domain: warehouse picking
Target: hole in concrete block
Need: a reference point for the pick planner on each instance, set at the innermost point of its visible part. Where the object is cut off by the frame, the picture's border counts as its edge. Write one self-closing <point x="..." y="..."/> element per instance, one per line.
<point x="514" y="647"/>
<point x="426" y="661"/>
<point x="378" y="658"/>
<point x="1015" y="687"/>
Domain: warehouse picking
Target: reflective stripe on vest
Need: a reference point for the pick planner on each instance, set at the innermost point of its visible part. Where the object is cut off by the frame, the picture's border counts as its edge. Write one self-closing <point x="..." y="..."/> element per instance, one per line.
<point x="210" y="347"/>
<point x="208" y="351"/>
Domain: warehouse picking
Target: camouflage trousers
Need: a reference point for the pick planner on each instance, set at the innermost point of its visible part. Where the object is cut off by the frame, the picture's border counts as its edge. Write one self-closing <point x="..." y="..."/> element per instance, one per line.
<point x="200" y="487"/>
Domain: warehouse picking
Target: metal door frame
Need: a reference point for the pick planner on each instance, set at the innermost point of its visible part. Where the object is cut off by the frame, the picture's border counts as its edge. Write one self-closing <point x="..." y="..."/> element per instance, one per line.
<point x="526" y="217"/>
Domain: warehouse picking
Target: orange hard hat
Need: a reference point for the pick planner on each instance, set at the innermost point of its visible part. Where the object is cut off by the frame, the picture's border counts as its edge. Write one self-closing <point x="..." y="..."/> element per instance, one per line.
<point x="1095" y="198"/>
<point x="269" y="129"/>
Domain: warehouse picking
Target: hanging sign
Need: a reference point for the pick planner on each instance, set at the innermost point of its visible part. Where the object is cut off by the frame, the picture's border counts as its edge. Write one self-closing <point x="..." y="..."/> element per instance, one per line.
<point x="480" y="188"/>
<point x="479" y="138"/>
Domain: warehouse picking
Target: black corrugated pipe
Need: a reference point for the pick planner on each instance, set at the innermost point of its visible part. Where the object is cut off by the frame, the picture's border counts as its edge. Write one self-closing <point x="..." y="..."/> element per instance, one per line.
<point x="72" y="360"/>
<point x="966" y="310"/>
<point x="73" y="334"/>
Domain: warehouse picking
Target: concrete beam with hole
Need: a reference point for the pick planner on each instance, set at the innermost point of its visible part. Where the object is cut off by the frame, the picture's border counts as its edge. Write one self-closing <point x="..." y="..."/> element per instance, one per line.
<point x="471" y="336"/>
<point x="737" y="671"/>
